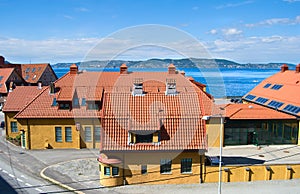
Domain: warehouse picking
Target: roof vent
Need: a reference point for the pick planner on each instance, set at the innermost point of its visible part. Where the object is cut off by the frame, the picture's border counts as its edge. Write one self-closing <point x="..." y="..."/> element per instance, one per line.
<point x="172" y="69"/>
<point x="171" y="87"/>
<point x="137" y="87"/>
<point x="123" y="69"/>
<point x="39" y="85"/>
<point x="298" y="68"/>
<point x="73" y="69"/>
<point x="284" y="67"/>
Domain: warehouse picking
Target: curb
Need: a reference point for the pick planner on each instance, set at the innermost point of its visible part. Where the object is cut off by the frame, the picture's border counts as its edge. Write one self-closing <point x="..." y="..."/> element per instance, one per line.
<point x="57" y="182"/>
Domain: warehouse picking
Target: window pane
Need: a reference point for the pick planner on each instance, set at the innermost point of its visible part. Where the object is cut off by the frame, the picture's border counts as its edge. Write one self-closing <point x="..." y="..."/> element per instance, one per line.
<point x="14" y="127"/>
<point x="68" y="134"/>
<point x="88" y="134"/>
<point x="58" y="135"/>
<point x="107" y="171"/>
<point x="115" y="171"/>
<point x="186" y="165"/>
<point x="97" y="132"/>
<point x="144" y="169"/>
<point x="165" y="165"/>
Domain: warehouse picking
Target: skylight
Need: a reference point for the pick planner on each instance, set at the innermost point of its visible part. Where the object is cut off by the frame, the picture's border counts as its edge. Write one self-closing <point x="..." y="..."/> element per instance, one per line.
<point x="250" y="97"/>
<point x="276" y="87"/>
<point x="275" y="104"/>
<point x="292" y="109"/>
<point x="261" y="100"/>
<point x="1" y="77"/>
<point x="267" y="85"/>
<point x="54" y="102"/>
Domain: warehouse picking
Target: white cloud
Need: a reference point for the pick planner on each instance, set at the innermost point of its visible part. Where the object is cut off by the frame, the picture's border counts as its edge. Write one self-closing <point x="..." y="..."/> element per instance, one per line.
<point x="230" y="5"/>
<point x="231" y="31"/>
<point x="291" y="1"/>
<point x="68" y="17"/>
<point x="213" y="31"/>
<point x="82" y="9"/>
<point x="276" y="21"/>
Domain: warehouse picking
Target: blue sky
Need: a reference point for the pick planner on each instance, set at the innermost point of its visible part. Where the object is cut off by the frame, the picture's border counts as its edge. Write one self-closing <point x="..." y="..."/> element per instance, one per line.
<point x="66" y="30"/>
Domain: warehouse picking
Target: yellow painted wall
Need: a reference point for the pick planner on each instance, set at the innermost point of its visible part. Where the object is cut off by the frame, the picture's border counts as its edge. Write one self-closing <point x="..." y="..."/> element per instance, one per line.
<point x="9" y="117"/>
<point x="40" y="133"/>
<point x="213" y="132"/>
<point x="256" y="173"/>
<point x="134" y="161"/>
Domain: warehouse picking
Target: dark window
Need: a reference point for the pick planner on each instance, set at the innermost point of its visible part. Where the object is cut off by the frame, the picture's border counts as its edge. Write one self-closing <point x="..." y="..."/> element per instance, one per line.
<point x="107" y="171"/>
<point x="250" y="97"/>
<point x="76" y="102"/>
<point x="64" y="106"/>
<point x="97" y="132"/>
<point x="88" y="134"/>
<point x="1" y="77"/>
<point x="83" y="103"/>
<point x="275" y="104"/>
<point x="292" y="109"/>
<point x="144" y="138"/>
<point x="68" y="134"/>
<point x="144" y="169"/>
<point x="93" y="106"/>
<point x="186" y="165"/>
<point x="115" y="171"/>
<point x="165" y="166"/>
<point x="261" y="100"/>
<point x="276" y="87"/>
<point x="58" y="134"/>
<point x="267" y="85"/>
<point x="14" y="127"/>
<point x="54" y="102"/>
<point x="33" y="70"/>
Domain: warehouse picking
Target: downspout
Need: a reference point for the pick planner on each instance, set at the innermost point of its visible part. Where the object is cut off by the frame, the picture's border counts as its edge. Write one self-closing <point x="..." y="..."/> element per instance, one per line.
<point x="124" y="180"/>
<point x="28" y="134"/>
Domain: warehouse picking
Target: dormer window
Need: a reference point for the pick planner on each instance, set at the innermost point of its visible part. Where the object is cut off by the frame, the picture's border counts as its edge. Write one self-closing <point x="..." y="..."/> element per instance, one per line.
<point x="171" y="87"/>
<point x="83" y="102"/>
<point x="64" y="106"/>
<point x="93" y="106"/>
<point x="76" y="102"/>
<point x="150" y="137"/>
<point x="137" y="89"/>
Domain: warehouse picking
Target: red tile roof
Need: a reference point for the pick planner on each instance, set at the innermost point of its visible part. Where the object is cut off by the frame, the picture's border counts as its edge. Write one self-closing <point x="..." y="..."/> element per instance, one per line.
<point x="4" y="75"/>
<point x="253" y="112"/>
<point x="32" y="73"/>
<point x="19" y="97"/>
<point x="288" y="94"/>
<point x="178" y="117"/>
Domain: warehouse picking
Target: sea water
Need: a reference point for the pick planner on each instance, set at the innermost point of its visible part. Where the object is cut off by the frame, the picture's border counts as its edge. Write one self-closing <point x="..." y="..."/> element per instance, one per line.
<point x="223" y="82"/>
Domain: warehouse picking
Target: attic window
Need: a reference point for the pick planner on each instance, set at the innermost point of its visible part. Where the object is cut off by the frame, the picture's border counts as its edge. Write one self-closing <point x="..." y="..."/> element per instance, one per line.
<point x="292" y="109"/>
<point x="54" y="102"/>
<point x="27" y="69"/>
<point x="1" y="77"/>
<point x="267" y="85"/>
<point x="27" y="76"/>
<point x="83" y="102"/>
<point x="64" y="106"/>
<point x="141" y="137"/>
<point x="276" y="87"/>
<point x="261" y="100"/>
<point x="33" y="70"/>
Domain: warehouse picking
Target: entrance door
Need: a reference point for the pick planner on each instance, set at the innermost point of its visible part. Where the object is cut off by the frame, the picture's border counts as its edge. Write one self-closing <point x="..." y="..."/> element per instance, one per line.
<point x="23" y="140"/>
<point x="250" y="138"/>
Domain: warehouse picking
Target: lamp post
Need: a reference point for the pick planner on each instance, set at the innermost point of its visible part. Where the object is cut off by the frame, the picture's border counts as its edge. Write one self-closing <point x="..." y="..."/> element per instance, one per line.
<point x="220" y="159"/>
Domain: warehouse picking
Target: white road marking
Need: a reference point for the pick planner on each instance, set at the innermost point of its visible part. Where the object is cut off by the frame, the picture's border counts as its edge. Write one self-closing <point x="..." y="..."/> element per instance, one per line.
<point x="11" y="175"/>
<point x="19" y="180"/>
<point x="23" y="177"/>
<point x="39" y="190"/>
<point x="27" y="184"/>
<point x="0" y="168"/>
<point x="5" y="171"/>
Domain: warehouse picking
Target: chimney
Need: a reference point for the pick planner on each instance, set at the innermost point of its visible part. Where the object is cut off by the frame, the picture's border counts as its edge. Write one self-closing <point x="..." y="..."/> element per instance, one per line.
<point x="172" y="69"/>
<point x="11" y="85"/>
<point x="52" y="88"/>
<point x="137" y="87"/>
<point x="298" y="68"/>
<point x="171" y="87"/>
<point x="2" y="61"/>
<point x="284" y="67"/>
<point x="73" y="69"/>
<point x="39" y="85"/>
<point x="123" y="69"/>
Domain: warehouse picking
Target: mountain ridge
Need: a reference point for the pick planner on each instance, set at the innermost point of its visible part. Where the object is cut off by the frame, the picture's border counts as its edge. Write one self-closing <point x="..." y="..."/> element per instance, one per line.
<point x="179" y="63"/>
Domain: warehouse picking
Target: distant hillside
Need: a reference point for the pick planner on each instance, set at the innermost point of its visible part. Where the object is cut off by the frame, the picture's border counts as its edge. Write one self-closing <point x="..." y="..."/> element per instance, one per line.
<point x="180" y="63"/>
